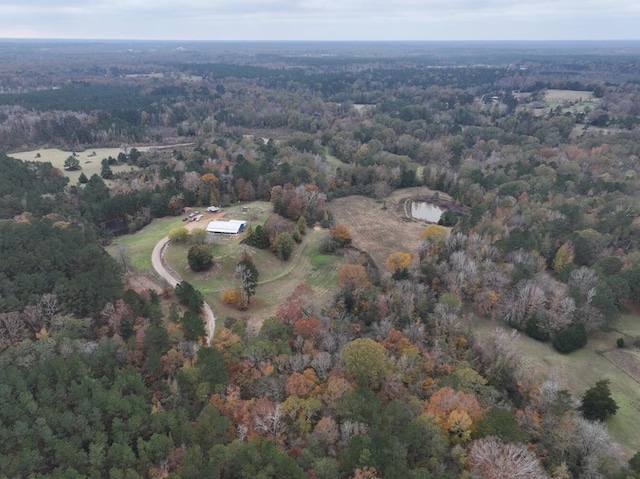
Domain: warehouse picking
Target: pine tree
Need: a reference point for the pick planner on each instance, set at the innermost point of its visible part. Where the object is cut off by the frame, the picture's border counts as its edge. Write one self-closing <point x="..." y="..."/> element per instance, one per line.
<point x="597" y="403"/>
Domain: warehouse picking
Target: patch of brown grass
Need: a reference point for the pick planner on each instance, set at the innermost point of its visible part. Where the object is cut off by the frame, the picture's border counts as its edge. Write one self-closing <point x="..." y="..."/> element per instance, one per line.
<point x="627" y="360"/>
<point x="382" y="228"/>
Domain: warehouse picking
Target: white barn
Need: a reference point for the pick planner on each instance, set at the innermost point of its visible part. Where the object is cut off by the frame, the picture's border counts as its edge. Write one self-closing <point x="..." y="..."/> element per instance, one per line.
<point x="228" y="227"/>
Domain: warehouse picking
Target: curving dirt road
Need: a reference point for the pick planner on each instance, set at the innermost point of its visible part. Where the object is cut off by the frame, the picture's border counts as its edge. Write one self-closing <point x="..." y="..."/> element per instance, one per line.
<point x="158" y="263"/>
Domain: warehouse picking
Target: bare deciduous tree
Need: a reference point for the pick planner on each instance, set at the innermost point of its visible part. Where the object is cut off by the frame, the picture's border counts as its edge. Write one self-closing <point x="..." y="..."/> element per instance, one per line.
<point x="322" y="364"/>
<point x="11" y="329"/>
<point x="49" y="306"/>
<point x="585" y="281"/>
<point x="32" y="318"/>
<point x="299" y="362"/>
<point x="494" y="459"/>
<point x="268" y="418"/>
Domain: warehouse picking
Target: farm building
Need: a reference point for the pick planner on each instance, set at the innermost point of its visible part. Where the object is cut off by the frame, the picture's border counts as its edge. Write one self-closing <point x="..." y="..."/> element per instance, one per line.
<point x="229" y="227"/>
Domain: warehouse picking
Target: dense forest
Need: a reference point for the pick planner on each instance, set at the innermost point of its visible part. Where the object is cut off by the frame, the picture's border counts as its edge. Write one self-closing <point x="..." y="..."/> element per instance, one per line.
<point x="537" y="146"/>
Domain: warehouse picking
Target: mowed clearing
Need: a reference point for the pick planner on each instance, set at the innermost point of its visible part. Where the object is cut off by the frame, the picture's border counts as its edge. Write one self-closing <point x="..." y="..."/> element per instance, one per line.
<point x="580" y="370"/>
<point x="277" y="279"/>
<point x="90" y="160"/>
<point x="567" y="96"/>
<point x="381" y="231"/>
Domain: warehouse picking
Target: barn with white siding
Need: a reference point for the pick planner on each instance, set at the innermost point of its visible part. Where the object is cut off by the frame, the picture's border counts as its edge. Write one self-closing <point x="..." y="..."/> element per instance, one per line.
<point x="226" y="227"/>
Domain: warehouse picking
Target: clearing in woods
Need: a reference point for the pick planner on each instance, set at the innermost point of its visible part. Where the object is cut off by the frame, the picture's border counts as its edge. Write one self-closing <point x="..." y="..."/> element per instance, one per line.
<point x="90" y="160"/>
<point x="277" y="279"/>
<point x="382" y="227"/>
<point x="578" y="371"/>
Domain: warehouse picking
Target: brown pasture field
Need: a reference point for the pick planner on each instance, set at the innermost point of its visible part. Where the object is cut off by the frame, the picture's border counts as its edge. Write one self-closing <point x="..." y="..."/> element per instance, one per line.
<point x="90" y="163"/>
<point x="627" y="360"/>
<point x="378" y="230"/>
<point x="559" y="96"/>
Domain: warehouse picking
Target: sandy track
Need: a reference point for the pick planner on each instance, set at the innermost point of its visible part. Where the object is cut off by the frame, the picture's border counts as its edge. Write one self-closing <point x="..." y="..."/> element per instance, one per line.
<point x="159" y="265"/>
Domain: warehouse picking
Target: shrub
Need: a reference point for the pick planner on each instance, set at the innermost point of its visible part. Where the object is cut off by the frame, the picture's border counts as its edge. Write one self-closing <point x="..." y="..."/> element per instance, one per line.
<point x="179" y="235"/>
<point x="448" y="218"/>
<point x="570" y="339"/>
<point x="634" y="462"/>
<point x="283" y="245"/>
<point x="620" y="342"/>
<point x="341" y="235"/>
<point x="200" y="258"/>
<point x="230" y="296"/>
<point x="534" y="330"/>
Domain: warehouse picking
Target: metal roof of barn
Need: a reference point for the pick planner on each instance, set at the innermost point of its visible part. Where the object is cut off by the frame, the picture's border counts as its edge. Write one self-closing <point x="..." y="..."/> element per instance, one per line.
<point x="227" y="227"/>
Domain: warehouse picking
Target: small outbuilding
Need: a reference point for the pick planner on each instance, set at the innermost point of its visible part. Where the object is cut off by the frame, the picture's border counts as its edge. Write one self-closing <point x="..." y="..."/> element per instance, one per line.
<point x="226" y="227"/>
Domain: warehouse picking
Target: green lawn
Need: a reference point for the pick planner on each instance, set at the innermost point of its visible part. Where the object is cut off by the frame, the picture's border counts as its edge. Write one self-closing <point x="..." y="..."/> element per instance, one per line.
<point x="137" y="247"/>
<point x="277" y="279"/>
<point x="581" y="369"/>
<point x="333" y="160"/>
<point x="629" y="326"/>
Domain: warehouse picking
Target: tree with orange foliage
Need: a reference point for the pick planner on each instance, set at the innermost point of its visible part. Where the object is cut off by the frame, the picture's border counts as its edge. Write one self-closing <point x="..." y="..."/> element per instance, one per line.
<point x="298" y="385"/>
<point x="397" y="343"/>
<point x="340" y="235"/>
<point x="299" y="305"/>
<point x="307" y="328"/>
<point x="209" y="192"/>
<point x="398" y="264"/>
<point x="336" y="388"/>
<point x="365" y="473"/>
<point x="353" y="277"/>
<point x="455" y="412"/>
<point x="327" y="432"/>
<point x="230" y="296"/>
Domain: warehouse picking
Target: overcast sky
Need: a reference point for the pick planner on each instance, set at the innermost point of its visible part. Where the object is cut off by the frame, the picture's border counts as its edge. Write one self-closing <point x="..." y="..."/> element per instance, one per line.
<point x="322" y="19"/>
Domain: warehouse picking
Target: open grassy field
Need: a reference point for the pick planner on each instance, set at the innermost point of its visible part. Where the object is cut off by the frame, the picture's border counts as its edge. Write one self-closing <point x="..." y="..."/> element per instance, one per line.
<point x="629" y="325"/>
<point x="380" y="231"/>
<point x="333" y="161"/>
<point x="568" y="100"/>
<point x="136" y="248"/>
<point x="568" y="96"/>
<point x="90" y="162"/>
<point x="578" y="371"/>
<point x="277" y="279"/>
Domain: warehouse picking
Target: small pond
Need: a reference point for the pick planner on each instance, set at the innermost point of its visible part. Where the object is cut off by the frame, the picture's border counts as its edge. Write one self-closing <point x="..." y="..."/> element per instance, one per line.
<point x="421" y="210"/>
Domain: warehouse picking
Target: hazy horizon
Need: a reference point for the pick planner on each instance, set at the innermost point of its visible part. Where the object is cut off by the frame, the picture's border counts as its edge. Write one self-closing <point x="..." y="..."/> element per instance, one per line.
<point x="315" y="20"/>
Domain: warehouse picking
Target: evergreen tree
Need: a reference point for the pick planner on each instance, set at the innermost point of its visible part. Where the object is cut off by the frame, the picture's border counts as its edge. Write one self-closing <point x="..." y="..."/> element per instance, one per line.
<point x="247" y="274"/>
<point x="597" y="403"/>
